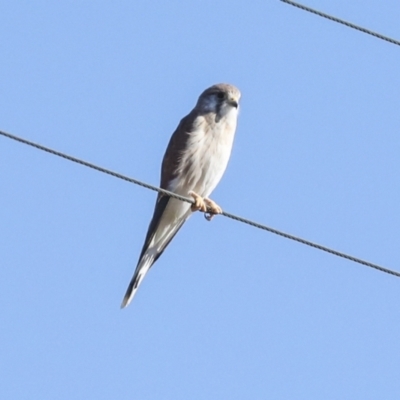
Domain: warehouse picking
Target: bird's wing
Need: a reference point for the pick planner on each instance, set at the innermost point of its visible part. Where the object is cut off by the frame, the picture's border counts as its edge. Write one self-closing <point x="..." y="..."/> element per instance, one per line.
<point x="169" y="173"/>
<point x="169" y="214"/>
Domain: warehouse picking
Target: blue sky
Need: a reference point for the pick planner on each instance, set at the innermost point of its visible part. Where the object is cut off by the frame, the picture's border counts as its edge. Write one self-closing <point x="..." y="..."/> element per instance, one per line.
<point x="228" y="311"/>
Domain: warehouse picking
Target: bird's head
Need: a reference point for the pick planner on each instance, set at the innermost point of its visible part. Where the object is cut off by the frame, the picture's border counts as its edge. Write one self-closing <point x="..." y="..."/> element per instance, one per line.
<point x="221" y="99"/>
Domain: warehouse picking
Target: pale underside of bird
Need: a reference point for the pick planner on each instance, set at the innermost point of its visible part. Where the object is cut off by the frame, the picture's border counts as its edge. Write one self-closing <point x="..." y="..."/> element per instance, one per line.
<point x="193" y="164"/>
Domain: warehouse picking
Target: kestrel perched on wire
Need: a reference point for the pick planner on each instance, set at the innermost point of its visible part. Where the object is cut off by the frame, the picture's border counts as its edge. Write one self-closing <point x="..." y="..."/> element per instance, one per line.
<point x="193" y="164"/>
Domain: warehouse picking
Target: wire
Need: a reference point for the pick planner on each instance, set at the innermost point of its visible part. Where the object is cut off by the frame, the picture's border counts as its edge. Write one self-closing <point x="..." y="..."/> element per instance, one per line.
<point x="341" y="21"/>
<point x="189" y="200"/>
<point x="97" y="168"/>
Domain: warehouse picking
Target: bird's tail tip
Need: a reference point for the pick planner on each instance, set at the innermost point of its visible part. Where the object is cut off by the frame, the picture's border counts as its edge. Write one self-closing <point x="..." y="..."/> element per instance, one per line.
<point x="125" y="301"/>
<point x="137" y="278"/>
<point x="130" y="292"/>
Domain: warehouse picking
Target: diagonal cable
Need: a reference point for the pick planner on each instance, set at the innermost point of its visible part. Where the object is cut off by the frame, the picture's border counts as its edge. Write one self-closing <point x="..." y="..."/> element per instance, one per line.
<point x="343" y="22"/>
<point x="189" y="200"/>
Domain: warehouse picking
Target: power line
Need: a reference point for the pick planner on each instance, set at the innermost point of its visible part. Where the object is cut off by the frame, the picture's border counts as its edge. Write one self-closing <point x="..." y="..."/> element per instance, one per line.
<point x="189" y="200"/>
<point x="96" y="167"/>
<point x="341" y="21"/>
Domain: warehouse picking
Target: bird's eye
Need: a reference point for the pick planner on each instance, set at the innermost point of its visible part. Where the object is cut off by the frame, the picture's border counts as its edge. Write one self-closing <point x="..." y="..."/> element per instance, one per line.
<point x="221" y="95"/>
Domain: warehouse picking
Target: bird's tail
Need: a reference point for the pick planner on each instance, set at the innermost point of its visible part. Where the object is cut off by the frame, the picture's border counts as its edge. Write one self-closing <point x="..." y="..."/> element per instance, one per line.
<point x="141" y="270"/>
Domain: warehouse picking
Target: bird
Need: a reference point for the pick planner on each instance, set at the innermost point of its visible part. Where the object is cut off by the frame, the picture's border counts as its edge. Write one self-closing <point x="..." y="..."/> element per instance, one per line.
<point x="193" y="164"/>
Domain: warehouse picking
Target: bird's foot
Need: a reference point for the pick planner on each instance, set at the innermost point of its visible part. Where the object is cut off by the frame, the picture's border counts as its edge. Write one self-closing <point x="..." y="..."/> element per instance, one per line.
<point x="208" y="206"/>
<point x="199" y="203"/>
<point x="212" y="209"/>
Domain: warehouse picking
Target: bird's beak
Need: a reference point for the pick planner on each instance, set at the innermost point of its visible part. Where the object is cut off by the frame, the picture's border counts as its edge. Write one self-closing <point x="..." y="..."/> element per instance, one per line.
<point x="233" y="102"/>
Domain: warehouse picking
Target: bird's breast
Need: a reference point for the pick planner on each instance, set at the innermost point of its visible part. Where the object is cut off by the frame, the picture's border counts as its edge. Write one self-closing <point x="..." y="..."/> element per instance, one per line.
<point x="206" y="156"/>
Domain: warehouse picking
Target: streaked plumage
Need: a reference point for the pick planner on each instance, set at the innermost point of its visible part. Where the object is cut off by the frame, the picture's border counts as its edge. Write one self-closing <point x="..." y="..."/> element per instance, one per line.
<point x="195" y="160"/>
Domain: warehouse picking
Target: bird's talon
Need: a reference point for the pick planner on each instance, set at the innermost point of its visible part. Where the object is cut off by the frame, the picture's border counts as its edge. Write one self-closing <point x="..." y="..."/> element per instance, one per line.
<point x="212" y="209"/>
<point x="209" y="216"/>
